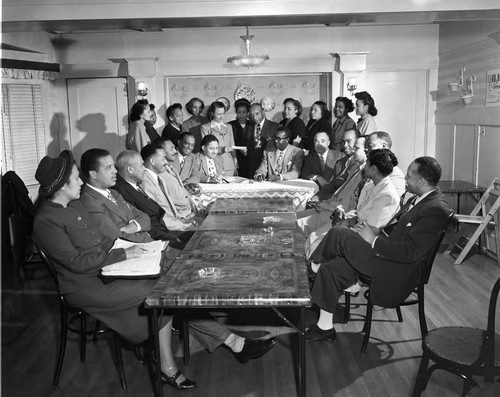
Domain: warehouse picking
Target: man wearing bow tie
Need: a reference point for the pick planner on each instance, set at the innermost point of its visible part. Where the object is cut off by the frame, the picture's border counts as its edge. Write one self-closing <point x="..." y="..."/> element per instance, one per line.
<point x="283" y="163"/>
<point x="392" y="261"/>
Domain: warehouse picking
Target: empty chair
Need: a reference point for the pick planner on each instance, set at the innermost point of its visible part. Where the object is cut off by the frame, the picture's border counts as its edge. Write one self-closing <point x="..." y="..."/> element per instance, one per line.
<point x="463" y="351"/>
<point x="484" y="216"/>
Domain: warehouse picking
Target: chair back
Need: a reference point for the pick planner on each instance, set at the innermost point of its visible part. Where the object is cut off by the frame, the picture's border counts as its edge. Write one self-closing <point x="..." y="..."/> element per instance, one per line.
<point x="431" y="255"/>
<point x="482" y="205"/>
<point x="489" y="342"/>
<point x="50" y="266"/>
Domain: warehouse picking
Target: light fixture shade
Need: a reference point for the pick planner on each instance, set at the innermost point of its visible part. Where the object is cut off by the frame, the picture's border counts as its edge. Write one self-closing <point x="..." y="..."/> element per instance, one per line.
<point x="248" y="60"/>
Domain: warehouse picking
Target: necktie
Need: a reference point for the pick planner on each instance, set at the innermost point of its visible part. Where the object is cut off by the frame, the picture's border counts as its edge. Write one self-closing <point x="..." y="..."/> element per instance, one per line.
<point x="172" y="172"/>
<point x="279" y="165"/>
<point x="322" y="162"/>
<point x="140" y="190"/>
<point x="162" y="188"/>
<point x="408" y="206"/>
<point x="211" y="168"/>
<point x="258" y="132"/>
<point x="181" y="161"/>
<point x="110" y="196"/>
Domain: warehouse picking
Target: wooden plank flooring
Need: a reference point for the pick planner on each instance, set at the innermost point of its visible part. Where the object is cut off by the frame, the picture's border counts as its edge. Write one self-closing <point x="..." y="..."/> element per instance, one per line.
<point x="456" y="295"/>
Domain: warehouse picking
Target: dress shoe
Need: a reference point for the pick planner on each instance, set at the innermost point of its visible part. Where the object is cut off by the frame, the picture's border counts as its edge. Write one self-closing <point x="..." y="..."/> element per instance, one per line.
<point x="172" y="381"/>
<point x="316" y="333"/>
<point x="254" y="349"/>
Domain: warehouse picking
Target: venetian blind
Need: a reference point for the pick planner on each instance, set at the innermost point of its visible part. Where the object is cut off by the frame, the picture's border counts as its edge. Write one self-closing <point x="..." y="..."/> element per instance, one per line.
<point x="23" y="129"/>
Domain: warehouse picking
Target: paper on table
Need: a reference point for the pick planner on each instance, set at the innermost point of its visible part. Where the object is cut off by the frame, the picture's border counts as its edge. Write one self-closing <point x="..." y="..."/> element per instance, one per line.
<point x="152" y="246"/>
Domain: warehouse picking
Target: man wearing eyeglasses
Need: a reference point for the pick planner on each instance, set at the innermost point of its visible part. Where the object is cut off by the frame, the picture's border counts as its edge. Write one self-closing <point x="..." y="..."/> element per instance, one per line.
<point x="283" y="163"/>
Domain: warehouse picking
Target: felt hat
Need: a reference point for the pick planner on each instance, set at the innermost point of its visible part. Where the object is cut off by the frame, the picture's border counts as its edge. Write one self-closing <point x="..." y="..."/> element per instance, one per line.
<point x="53" y="173"/>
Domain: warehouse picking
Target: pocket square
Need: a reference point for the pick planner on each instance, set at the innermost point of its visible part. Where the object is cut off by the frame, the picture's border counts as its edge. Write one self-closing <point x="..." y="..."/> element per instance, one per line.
<point x="289" y="163"/>
<point x="409" y="224"/>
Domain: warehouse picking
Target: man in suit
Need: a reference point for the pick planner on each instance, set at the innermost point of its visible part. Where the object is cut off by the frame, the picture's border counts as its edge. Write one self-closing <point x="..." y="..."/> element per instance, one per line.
<point x="260" y="138"/>
<point x="131" y="173"/>
<point x="343" y="168"/>
<point x="382" y="140"/>
<point x="156" y="188"/>
<point x="346" y="195"/>
<point x="185" y="160"/>
<point x="113" y="216"/>
<point x="283" y="163"/>
<point x="319" y="164"/>
<point x="393" y="261"/>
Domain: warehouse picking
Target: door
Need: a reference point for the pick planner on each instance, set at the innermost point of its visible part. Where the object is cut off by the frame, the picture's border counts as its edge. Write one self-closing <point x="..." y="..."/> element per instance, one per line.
<point x="98" y="115"/>
<point x="401" y="100"/>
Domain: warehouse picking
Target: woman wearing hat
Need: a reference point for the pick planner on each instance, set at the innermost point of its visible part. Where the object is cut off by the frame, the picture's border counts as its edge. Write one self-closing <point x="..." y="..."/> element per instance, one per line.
<point x="62" y="229"/>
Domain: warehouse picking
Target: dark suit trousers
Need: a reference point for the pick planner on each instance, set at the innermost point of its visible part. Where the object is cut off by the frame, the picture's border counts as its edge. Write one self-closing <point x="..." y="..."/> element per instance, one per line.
<point x="343" y="254"/>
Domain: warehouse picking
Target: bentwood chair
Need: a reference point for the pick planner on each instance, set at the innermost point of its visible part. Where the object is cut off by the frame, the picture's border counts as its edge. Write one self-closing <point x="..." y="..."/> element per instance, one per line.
<point x="417" y="296"/>
<point x="463" y="351"/>
<point x="71" y="315"/>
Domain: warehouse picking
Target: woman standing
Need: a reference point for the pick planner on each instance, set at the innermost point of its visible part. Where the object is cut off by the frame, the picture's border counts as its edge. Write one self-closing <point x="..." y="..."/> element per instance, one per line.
<point x="292" y="109"/>
<point x="319" y="121"/>
<point x="343" y="123"/>
<point x="224" y="134"/>
<point x="243" y="131"/>
<point x="193" y="124"/>
<point x="63" y="230"/>
<point x="137" y="136"/>
<point x="365" y="108"/>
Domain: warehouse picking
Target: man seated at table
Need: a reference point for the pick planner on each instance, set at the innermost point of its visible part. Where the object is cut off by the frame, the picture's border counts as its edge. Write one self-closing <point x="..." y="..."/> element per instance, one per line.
<point x="344" y="168"/>
<point x="392" y="261"/>
<point x="319" y="164"/>
<point x="131" y="173"/>
<point x="283" y="163"/>
<point x="346" y="195"/>
<point x="111" y="214"/>
<point x="185" y="162"/>
<point x="210" y="166"/>
<point x="382" y="140"/>
<point x="156" y="188"/>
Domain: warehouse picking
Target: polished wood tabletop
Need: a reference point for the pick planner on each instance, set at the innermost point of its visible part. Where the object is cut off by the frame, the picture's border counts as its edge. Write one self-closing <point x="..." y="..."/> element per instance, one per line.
<point x="457" y="186"/>
<point x="258" y="204"/>
<point x="251" y="220"/>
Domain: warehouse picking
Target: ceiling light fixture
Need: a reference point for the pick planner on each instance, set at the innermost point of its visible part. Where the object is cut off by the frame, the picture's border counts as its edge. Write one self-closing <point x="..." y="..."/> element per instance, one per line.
<point x="248" y="59"/>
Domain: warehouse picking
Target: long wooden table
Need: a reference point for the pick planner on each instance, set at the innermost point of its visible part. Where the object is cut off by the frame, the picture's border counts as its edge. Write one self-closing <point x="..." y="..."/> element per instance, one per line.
<point x="244" y="261"/>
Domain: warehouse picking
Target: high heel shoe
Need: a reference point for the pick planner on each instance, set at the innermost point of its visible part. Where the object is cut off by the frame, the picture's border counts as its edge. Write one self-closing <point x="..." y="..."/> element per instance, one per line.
<point x="172" y="381"/>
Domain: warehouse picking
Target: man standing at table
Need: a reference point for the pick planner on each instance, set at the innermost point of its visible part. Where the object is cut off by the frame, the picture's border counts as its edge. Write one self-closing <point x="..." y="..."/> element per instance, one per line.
<point x="319" y="163"/>
<point x="261" y="137"/>
<point x="392" y="261"/>
<point x="283" y="163"/>
<point x="112" y="215"/>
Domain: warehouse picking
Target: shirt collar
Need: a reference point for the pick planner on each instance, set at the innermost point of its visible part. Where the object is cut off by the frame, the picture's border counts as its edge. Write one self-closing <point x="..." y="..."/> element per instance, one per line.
<point x="104" y="192"/>
<point x="152" y="173"/>
<point x="420" y="198"/>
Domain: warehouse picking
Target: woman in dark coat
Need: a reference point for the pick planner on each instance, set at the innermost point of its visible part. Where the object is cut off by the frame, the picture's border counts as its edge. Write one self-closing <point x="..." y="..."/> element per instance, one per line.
<point x="243" y="131"/>
<point x="63" y="230"/>
<point x="343" y="106"/>
<point x="292" y="109"/>
<point x="319" y="121"/>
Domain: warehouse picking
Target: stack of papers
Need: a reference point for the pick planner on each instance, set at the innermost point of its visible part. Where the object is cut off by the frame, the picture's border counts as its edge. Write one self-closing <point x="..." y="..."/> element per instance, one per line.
<point x="148" y="264"/>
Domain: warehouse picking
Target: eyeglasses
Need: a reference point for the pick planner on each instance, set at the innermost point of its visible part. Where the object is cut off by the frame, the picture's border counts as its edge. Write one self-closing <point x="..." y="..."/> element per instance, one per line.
<point x="277" y="138"/>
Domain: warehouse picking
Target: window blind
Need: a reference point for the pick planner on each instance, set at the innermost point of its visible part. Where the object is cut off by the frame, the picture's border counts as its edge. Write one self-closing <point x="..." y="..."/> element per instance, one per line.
<point x="23" y="129"/>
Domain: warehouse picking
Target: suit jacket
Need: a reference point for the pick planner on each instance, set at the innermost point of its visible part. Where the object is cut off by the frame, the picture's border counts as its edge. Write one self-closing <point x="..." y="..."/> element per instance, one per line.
<point x="341" y="174"/>
<point x="340" y="126"/>
<point x="241" y="136"/>
<point x="292" y="163"/>
<point x="202" y="167"/>
<point x="397" y="259"/>
<point x="189" y="173"/>
<point x="170" y="217"/>
<point x="312" y="166"/>
<point x="193" y="126"/>
<point x="314" y="126"/>
<point x="254" y="154"/>
<point x="109" y="217"/>
<point x="171" y="133"/>
<point x="179" y="195"/>
<point x="159" y="230"/>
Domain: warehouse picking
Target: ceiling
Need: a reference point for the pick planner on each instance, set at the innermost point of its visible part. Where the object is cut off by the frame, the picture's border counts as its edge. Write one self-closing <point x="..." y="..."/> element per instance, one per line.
<point x="62" y="26"/>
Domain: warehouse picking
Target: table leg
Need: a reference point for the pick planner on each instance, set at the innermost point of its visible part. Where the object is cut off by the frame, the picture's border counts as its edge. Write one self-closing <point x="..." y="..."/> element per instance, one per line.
<point x="156" y="354"/>
<point x="302" y="354"/>
<point x="458" y="202"/>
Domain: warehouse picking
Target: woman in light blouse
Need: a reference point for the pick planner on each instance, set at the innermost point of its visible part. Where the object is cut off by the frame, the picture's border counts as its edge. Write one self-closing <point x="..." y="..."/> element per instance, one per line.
<point x="224" y="134"/>
<point x="137" y="136"/>
<point x="366" y="110"/>
<point x="343" y="106"/>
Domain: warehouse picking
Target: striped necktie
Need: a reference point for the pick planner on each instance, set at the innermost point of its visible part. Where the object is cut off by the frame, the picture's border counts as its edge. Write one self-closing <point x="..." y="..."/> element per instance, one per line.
<point x="111" y="198"/>
<point x="279" y="164"/>
<point x="258" y="131"/>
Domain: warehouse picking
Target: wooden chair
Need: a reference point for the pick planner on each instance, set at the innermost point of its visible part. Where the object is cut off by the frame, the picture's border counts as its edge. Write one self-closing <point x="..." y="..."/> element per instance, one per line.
<point x="484" y="216"/>
<point x="419" y="291"/>
<point x="69" y="316"/>
<point x="463" y="351"/>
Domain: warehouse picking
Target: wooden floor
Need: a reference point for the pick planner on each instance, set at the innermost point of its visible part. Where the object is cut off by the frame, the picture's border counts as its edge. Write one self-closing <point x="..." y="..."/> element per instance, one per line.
<point x="456" y="295"/>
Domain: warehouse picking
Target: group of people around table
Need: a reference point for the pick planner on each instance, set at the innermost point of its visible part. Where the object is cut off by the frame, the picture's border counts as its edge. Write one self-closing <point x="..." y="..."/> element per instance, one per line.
<point x="242" y="143"/>
<point x="362" y="219"/>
